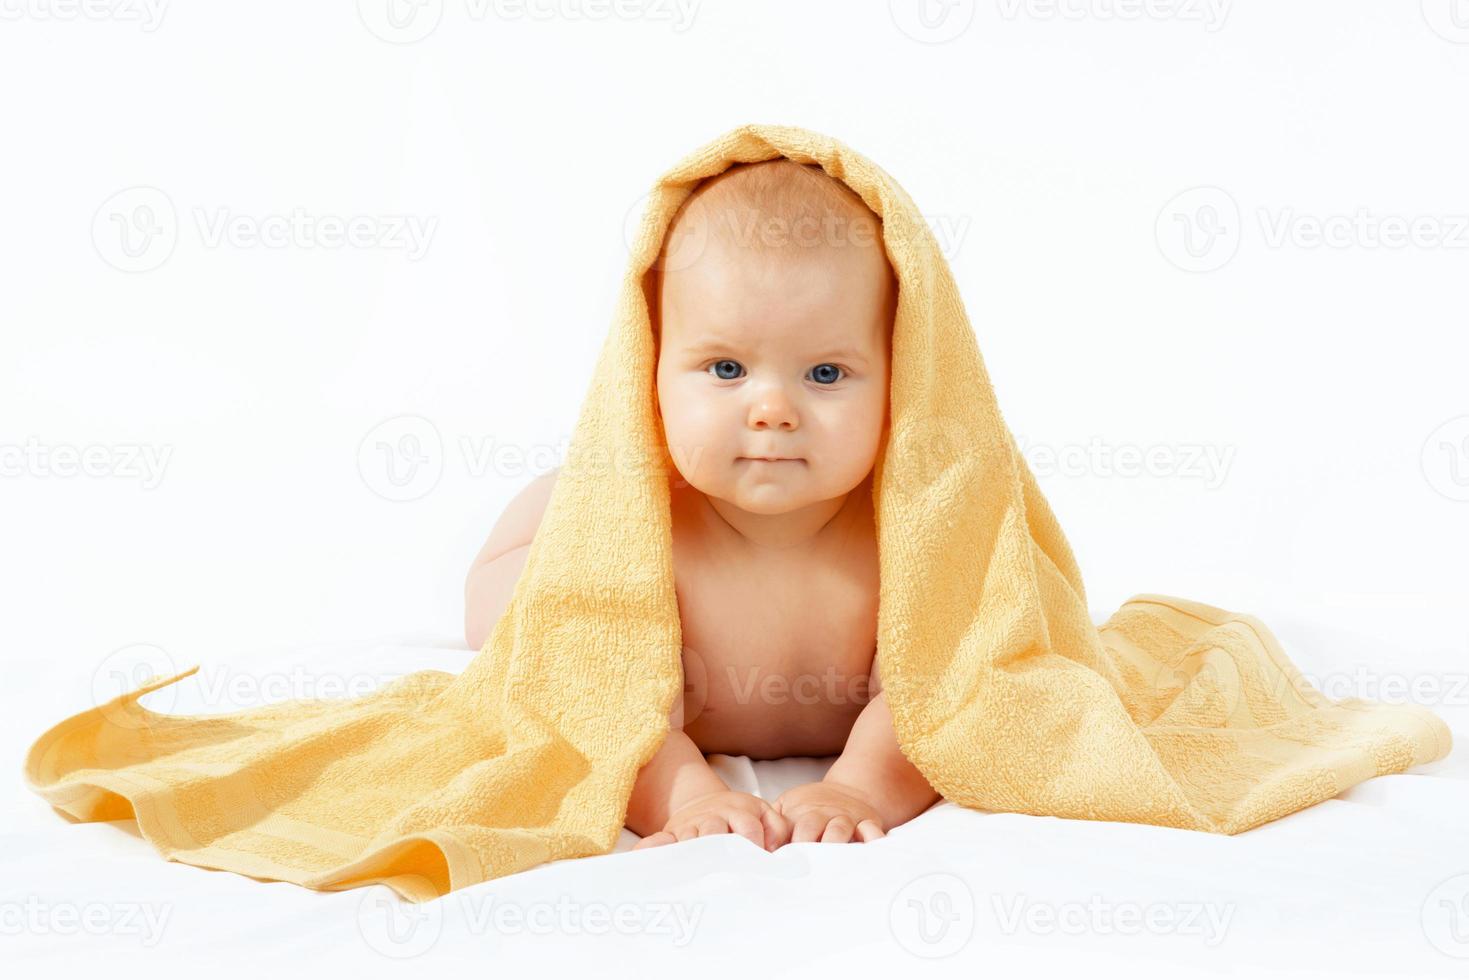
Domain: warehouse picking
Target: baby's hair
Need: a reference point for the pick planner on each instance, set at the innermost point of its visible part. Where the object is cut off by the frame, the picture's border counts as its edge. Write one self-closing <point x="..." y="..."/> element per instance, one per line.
<point x="778" y="206"/>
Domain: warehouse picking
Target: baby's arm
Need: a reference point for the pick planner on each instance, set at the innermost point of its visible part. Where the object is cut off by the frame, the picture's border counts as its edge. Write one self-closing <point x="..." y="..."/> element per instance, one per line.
<point x="874" y="765"/>
<point x="871" y="781"/>
<point x="678" y="797"/>
<point x="676" y="775"/>
<point x="497" y="567"/>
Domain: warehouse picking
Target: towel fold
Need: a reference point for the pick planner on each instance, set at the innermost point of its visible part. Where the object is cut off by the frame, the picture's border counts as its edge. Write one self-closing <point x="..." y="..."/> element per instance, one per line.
<point x="1003" y="692"/>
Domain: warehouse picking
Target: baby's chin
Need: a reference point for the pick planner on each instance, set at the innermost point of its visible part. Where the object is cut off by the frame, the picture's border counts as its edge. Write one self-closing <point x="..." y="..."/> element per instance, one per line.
<point x="767" y="501"/>
<point x="766" y="488"/>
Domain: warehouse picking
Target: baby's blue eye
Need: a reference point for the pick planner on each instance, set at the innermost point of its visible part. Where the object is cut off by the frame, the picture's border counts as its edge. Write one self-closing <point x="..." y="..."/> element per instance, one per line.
<point x="717" y="365"/>
<point x="825" y="373"/>
<point x="728" y="370"/>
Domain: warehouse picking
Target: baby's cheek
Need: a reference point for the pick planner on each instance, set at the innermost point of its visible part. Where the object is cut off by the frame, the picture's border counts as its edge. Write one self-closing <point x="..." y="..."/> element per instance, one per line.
<point x="693" y="442"/>
<point x="856" y="425"/>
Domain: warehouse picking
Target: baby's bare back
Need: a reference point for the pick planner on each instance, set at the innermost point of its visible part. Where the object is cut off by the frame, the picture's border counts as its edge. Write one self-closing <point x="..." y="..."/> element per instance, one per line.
<point x="778" y="645"/>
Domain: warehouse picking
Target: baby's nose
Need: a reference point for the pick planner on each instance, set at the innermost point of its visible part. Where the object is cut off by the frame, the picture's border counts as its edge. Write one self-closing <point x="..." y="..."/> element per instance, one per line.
<point x="771" y="409"/>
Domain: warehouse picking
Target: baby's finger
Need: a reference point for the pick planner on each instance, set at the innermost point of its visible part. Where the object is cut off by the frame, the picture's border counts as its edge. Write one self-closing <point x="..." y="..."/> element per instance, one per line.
<point x="870" y="830"/>
<point x="808" y="828"/>
<point x="748" y="827"/>
<point x="777" y="829"/>
<point x="686" y="831"/>
<point x="653" y="840"/>
<point x="839" y="831"/>
<point x="711" y="825"/>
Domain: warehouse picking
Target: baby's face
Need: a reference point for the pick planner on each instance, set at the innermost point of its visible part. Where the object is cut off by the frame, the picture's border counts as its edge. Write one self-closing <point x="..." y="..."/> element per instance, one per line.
<point x="776" y="354"/>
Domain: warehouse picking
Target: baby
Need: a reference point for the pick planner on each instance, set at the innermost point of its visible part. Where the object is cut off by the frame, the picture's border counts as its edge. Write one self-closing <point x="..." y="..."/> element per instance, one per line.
<point x="772" y="304"/>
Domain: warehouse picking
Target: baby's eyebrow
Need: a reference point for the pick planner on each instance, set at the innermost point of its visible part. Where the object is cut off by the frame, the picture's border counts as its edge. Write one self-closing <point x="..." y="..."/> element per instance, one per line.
<point x="719" y="346"/>
<point x="710" y="346"/>
<point x="846" y="354"/>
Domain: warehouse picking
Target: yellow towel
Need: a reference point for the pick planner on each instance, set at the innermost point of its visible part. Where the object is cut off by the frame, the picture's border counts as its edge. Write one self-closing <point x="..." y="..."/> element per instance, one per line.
<point x="1003" y="692"/>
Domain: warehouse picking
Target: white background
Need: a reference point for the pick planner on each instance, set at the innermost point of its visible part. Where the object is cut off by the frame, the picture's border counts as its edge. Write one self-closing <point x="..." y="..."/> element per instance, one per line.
<point x="1056" y="148"/>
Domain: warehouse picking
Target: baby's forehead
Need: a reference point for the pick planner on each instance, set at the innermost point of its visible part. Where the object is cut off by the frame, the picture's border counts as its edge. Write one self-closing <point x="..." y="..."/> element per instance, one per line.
<point x="773" y="248"/>
<point x="817" y="307"/>
<point x="781" y="209"/>
<point x="773" y="222"/>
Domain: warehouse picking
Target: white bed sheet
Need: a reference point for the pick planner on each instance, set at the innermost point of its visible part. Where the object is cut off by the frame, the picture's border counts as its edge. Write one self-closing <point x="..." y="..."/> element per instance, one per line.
<point x="1374" y="881"/>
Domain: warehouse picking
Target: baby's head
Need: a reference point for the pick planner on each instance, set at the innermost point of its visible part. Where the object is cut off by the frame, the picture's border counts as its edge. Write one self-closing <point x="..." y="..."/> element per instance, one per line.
<point x="772" y="304"/>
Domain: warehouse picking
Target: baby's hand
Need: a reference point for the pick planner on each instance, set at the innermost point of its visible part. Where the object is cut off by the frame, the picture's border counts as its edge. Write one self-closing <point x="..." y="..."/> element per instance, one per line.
<point x="724" y="812"/>
<point x="829" y="813"/>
